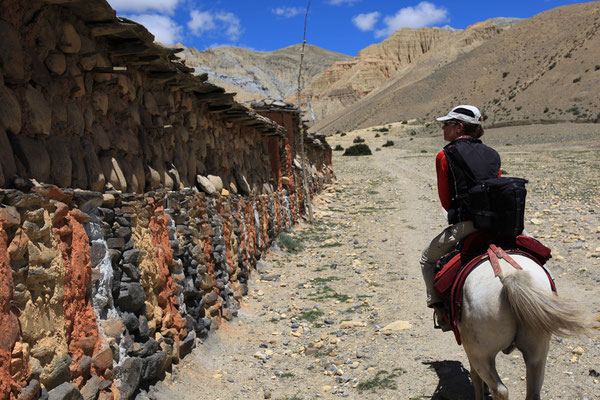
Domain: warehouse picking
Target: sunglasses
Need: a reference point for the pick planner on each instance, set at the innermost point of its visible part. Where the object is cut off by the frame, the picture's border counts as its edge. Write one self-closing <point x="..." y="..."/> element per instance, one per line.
<point x="448" y="123"/>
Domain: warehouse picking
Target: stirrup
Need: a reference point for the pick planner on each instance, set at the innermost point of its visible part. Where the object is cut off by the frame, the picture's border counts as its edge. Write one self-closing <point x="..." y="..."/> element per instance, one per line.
<point x="437" y="324"/>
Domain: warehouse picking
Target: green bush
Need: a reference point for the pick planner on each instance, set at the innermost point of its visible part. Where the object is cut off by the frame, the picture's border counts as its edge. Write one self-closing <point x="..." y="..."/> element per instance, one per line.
<point x="338" y="148"/>
<point x="377" y="135"/>
<point x="388" y="143"/>
<point x="358" y="150"/>
<point x="358" y="139"/>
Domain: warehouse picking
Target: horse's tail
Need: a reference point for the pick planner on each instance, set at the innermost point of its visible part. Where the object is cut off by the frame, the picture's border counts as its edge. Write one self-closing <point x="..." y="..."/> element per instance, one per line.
<point x="541" y="310"/>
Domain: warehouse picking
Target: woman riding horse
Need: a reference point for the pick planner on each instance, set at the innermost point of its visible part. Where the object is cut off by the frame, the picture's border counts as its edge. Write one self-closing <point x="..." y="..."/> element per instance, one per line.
<point x="462" y="128"/>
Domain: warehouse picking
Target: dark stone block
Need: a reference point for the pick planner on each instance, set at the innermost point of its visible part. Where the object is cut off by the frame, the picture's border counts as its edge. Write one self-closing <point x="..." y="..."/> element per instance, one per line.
<point x="131" y="256"/>
<point x="155" y="365"/>
<point x="131" y="296"/>
<point x="130" y="373"/>
<point x="143" y="333"/>
<point x="131" y="321"/>
<point x="129" y="245"/>
<point x="97" y="253"/>
<point x="149" y="348"/>
<point x="114" y="255"/>
<point x="123" y="221"/>
<point x="123" y="232"/>
<point x="65" y="391"/>
<point x="131" y="271"/>
<point x="31" y="391"/>
<point x="188" y="344"/>
<point x="115" y="243"/>
<point x="60" y="374"/>
<point x="106" y="214"/>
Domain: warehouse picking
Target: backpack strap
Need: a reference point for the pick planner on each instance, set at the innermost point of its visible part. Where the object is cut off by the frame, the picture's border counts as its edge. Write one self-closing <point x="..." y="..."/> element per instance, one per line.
<point x="495" y="252"/>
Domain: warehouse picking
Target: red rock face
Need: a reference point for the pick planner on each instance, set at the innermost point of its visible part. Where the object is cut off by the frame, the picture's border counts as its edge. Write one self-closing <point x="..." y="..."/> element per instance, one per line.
<point x="80" y="321"/>
<point x="14" y="363"/>
<point x="172" y="323"/>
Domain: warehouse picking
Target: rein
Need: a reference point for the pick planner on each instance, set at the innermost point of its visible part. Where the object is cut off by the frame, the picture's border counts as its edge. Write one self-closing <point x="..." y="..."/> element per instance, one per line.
<point x="494" y="253"/>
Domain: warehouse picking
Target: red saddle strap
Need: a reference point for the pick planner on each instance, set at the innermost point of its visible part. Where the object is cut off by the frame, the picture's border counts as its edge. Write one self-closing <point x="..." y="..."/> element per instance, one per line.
<point x="494" y="253"/>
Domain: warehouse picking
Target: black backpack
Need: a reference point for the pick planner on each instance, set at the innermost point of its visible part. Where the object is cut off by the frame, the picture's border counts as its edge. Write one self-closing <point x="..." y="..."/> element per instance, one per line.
<point x="495" y="205"/>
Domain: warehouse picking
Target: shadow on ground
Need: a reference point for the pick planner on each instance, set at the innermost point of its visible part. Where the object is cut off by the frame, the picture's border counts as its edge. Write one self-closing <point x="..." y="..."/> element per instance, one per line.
<point x="454" y="381"/>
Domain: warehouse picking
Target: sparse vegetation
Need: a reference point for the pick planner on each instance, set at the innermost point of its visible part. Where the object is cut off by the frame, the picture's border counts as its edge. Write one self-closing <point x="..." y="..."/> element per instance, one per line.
<point x="289" y="243"/>
<point x="311" y="315"/>
<point x="358" y="150"/>
<point x="505" y="74"/>
<point x="381" y="380"/>
<point x="388" y="143"/>
<point x="338" y="148"/>
<point x="377" y="135"/>
<point x="577" y="79"/>
<point x="358" y="139"/>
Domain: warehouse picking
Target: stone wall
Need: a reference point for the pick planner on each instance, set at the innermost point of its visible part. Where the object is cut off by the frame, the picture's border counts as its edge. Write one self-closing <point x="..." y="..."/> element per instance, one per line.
<point x="101" y="293"/>
<point x="135" y="201"/>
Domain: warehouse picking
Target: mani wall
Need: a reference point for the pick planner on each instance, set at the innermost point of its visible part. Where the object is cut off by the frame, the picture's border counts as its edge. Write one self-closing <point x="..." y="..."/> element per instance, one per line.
<point x="135" y="200"/>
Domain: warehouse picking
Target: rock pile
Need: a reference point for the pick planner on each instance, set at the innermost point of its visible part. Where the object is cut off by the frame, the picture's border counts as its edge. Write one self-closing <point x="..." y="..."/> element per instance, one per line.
<point x="111" y="289"/>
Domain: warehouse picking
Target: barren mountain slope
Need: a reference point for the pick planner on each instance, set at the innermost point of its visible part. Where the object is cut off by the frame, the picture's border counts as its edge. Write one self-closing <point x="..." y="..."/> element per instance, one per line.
<point x="419" y="51"/>
<point x="260" y="74"/>
<point x="545" y="67"/>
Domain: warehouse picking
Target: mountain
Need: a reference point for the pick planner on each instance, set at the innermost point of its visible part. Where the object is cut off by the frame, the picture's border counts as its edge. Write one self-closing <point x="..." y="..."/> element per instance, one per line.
<point x="255" y="75"/>
<point x="412" y="53"/>
<point x="543" y="68"/>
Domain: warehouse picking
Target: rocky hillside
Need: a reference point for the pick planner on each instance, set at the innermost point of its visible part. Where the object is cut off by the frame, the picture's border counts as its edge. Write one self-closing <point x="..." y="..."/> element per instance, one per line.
<point x="408" y="54"/>
<point x="255" y="75"/>
<point x="543" y="68"/>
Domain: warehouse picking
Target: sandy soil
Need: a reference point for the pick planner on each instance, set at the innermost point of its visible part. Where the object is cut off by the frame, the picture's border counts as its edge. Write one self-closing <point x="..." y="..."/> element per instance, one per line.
<point x="313" y="324"/>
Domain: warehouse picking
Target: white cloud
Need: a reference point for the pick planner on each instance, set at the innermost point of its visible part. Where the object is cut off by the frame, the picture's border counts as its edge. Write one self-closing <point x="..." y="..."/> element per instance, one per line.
<point x="164" y="29"/>
<point x="205" y="21"/>
<point x="423" y="14"/>
<point x="141" y="6"/>
<point x="342" y="2"/>
<point x="201" y="22"/>
<point x="366" y="22"/>
<point x="231" y="23"/>
<point x="287" y="12"/>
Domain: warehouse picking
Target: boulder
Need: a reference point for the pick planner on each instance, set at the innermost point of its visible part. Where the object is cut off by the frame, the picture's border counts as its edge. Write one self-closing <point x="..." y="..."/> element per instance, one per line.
<point x="113" y="173"/>
<point x="155" y="365"/>
<point x="11" y="54"/>
<point x="38" y="110"/>
<point x="216" y="181"/>
<point x="95" y="174"/>
<point x="100" y="138"/>
<point x="60" y="161"/>
<point x="75" y="120"/>
<point x="80" y="179"/>
<point x="138" y="171"/>
<point x="7" y="160"/>
<point x="70" y="42"/>
<point x="152" y="177"/>
<point x="34" y="157"/>
<point x="10" y="110"/>
<point x="242" y="183"/>
<point x="206" y="185"/>
<point x="56" y="63"/>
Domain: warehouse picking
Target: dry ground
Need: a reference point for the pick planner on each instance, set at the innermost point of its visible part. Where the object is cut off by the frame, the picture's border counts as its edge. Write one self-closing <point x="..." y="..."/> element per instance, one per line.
<point x="313" y="325"/>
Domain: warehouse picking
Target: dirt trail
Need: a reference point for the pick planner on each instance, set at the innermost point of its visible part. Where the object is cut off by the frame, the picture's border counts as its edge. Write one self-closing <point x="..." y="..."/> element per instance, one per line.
<point x="314" y="323"/>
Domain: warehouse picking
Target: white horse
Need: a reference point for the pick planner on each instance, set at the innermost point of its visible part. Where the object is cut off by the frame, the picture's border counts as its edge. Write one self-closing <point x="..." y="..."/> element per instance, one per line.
<point x="517" y="309"/>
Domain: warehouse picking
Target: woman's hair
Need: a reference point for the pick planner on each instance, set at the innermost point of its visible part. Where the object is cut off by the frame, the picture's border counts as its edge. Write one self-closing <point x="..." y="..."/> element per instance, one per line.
<point x="472" y="130"/>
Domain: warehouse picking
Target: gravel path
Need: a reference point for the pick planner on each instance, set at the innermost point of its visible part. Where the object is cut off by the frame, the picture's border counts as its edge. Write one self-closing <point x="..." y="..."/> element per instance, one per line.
<point x="345" y="315"/>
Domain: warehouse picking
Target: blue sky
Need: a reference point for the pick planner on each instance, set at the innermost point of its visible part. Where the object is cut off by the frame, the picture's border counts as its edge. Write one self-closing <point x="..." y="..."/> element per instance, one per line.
<point x="345" y="26"/>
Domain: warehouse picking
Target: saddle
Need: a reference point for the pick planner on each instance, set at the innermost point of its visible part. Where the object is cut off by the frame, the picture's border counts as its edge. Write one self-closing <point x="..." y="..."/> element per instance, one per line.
<point x="453" y="268"/>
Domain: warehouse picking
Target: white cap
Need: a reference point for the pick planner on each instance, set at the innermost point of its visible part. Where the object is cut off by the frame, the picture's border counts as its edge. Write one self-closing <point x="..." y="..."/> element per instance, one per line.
<point x="465" y="113"/>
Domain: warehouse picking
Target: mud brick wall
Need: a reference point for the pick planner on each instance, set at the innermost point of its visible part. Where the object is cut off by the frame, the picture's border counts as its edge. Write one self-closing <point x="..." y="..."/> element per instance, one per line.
<point x="101" y="293"/>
